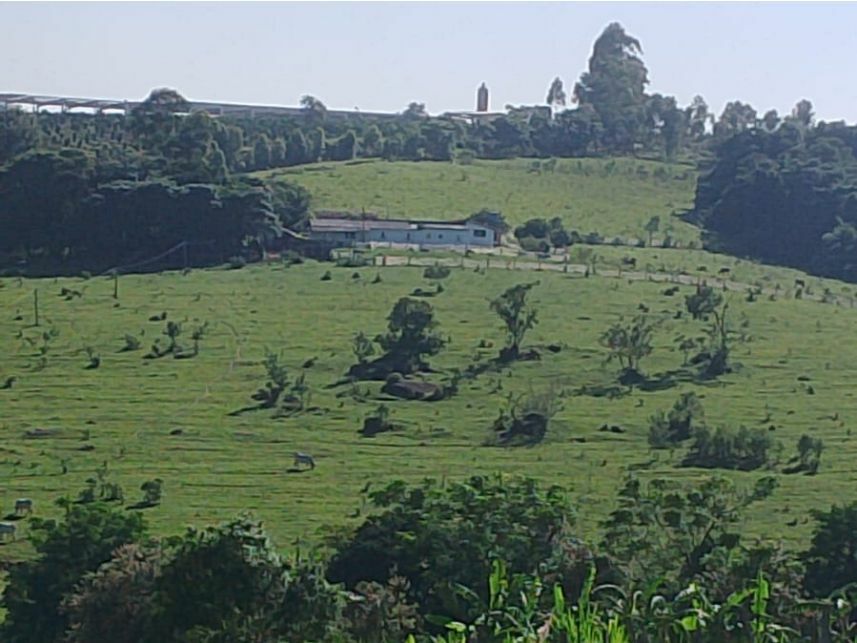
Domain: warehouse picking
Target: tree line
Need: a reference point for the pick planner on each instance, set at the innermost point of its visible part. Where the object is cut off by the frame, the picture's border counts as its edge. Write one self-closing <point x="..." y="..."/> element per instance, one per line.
<point x="613" y="115"/>
<point x="780" y="189"/>
<point x="784" y="191"/>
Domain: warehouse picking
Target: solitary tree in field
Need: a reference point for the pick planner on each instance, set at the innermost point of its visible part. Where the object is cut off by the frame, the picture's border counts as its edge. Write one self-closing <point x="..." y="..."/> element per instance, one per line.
<point x="703" y="302"/>
<point x="720" y="337"/>
<point x="518" y="316"/>
<point x="278" y="379"/>
<point x="629" y="343"/>
<point x="410" y="336"/>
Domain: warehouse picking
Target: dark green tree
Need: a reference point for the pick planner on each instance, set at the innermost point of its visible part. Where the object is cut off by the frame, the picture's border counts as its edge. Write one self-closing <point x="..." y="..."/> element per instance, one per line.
<point x="262" y="152"/>
<point x="314" y="110"/>
<point x="65" y="551"/>
<point x="668" y="532"/>
<point x="615" y="86"/>
<point x="410" y="337"/>
<point x="556" y="94"/>
<point x="415" y="111"/>
<point x="116" y="602"/>
<point x="155" y="119"/>
<point x="460" y="527"/>
<point x="736" y="118"/>
<point x="297" y="149"/>
<point x="831" y="560"/>
<point x="518" y="317"/>
<point x="628" y="343"/>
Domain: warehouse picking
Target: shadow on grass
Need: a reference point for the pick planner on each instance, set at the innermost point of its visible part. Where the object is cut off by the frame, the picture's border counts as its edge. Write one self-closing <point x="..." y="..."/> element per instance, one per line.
<point x="629" y="381"/>
<point x="249" y="409"/>
<point x="666" y="380"/>
<point x="138" y="506"/>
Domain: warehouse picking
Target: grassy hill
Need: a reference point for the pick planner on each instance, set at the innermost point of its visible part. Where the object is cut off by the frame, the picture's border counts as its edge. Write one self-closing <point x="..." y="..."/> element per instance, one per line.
<point x="171" y="419"/>
<point x="614" y="197"/>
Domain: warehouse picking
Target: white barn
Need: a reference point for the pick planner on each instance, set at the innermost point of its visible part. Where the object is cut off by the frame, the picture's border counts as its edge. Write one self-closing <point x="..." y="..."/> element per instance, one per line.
<point x="352" y="231"/>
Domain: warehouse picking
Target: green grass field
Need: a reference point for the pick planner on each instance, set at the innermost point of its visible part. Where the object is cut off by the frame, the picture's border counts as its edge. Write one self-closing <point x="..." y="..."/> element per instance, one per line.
<point x="123" y="413"/>
<point x="612" y="197"/>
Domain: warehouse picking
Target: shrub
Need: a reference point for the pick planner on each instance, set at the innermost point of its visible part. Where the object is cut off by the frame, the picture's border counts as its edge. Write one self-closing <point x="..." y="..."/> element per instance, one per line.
<point x="353" y="260"/>
<point x="465" y="157"/>
<point x="131" y="344"/>
<point x="278" y="379"/>
<point x="152" y="491"/>
<point x="236" y="262"/>
<point x="291" y="258"/>
<point x="535" y="228"/>
<point x="93" y="358"/>
<point x="808" y="456"/>
<point x="525" y="420"/>
<point x="460" y="527"/>
<point x="744" y="449"/>
<point x="436" y="272"/>
<point x="560" y="238"/>
<point x="532" y="244"/>
<point x="666" y="430"/>
<point x="377" y="422"/>
<point x="703" y="302"/>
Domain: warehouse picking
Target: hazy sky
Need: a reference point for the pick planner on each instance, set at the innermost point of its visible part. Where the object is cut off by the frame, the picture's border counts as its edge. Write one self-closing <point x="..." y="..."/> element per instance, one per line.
<point x="381" y="56"/>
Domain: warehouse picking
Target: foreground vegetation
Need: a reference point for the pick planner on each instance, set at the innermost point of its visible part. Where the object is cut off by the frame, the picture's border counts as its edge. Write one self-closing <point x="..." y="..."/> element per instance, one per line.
<point x="506" y="565"/>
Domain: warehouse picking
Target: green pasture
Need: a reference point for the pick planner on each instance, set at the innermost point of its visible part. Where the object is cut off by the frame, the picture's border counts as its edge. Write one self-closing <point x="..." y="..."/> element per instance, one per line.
<point x="215" y="465"/>
<point x="614" y="197"/>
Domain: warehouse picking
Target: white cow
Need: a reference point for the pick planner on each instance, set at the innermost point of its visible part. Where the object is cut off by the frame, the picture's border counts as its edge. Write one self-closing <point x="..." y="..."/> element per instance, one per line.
<point x="7" y="529"/>
<point x="304" y="458"/>
<point x="23" y="506"/>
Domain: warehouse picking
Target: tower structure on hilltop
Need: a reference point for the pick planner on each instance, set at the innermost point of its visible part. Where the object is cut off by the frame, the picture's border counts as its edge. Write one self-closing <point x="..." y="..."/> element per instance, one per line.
<point x="482" y="98"/>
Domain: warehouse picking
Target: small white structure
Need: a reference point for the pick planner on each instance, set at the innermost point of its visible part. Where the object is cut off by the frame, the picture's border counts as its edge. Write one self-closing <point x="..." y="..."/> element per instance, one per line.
<point x="347" y="231"/>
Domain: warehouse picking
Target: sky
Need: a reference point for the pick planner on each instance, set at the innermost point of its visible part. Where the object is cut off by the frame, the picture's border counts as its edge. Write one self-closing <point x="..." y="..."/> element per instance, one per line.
<point x="380" y="56"/>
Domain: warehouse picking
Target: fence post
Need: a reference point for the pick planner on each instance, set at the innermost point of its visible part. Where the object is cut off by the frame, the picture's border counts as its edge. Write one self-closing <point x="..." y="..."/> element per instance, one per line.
<point x="36" y="305"/>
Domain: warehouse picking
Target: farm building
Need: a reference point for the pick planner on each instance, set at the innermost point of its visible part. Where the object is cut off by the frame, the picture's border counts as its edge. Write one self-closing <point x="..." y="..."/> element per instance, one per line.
<point x="349" y="231"/>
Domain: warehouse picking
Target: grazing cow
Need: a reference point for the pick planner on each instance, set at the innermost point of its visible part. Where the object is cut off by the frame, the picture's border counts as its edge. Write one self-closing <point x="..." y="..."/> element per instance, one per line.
<point x="723" y="271"/>
<point x="7" y="529"/>
<point x="304" y="458"/>
<point x="23" y="506"/>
